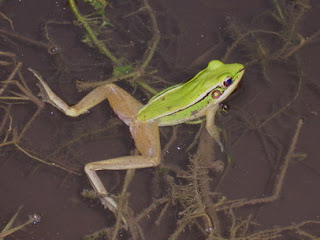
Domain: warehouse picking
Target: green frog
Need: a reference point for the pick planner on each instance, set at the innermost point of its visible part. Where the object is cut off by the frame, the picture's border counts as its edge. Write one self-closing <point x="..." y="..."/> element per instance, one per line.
<point x="189" y="101"/>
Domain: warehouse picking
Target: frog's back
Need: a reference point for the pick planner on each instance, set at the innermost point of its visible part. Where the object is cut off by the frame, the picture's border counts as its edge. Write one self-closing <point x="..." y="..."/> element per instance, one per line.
<point x="174" y="99"/>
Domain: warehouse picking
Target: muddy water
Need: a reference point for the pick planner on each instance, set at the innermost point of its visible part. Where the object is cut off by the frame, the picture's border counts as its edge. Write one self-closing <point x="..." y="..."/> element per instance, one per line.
<point x="192" y="27"/>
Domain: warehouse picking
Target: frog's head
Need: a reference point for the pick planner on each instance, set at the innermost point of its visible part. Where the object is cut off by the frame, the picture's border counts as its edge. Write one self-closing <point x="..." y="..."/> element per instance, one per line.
<point x="223" y="79"/>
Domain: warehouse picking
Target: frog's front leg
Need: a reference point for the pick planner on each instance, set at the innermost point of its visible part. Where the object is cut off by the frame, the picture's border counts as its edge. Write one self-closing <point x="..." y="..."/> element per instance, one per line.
<point x="145" y="134"/>
<point x="210" y="125"/>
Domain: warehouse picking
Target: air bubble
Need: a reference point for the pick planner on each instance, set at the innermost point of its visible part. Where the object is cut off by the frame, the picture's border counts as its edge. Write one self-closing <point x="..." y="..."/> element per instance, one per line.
<point x="36" y="218"/>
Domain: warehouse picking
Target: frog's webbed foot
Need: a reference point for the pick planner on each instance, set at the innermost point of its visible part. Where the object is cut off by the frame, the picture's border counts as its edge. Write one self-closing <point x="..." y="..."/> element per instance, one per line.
<point x="45" y="91"/>
<point x="109" y="203"/>
<point x="49" y="96"/>
<point x="41" y="85"/>
<point x="43" y="94"/>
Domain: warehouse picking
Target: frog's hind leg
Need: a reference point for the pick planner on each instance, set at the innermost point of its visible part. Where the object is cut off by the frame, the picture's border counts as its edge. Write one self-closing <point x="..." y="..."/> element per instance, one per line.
<point x="124" y="105"/>
<point x="145" y="134"/>
<point x="146" y="137"/>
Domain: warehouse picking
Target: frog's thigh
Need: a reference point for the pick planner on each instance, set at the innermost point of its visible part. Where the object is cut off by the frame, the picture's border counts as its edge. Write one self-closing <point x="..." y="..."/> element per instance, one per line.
<point x="123" y="104"/>
<point x="147" y="140"/>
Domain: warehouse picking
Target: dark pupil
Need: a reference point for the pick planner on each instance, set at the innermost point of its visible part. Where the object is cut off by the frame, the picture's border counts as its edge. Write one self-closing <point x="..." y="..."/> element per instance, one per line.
<point x="227" y="82"/>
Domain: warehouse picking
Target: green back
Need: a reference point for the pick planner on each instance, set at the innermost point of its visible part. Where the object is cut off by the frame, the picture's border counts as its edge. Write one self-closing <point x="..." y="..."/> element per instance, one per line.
<point x="178" y="97"/>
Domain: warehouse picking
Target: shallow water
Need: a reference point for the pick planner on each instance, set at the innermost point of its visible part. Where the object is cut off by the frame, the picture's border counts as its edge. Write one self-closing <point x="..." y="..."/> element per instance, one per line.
<point x="188" y="29"/>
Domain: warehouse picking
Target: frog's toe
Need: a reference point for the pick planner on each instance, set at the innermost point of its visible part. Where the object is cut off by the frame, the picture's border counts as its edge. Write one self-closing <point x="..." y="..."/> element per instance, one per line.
<point x="43" y="93"/>
<point x="109" y="203"/>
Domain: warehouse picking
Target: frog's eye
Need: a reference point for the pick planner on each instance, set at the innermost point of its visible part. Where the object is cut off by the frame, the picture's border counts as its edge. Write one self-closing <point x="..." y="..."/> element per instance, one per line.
<point x="215" y="94"/>
<point x="227" y="82"/>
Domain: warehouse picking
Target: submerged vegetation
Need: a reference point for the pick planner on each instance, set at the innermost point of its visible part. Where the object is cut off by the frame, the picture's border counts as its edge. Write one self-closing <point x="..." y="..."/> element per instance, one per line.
<point x="195" y="191"/>
<point x="8" y="229"/>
